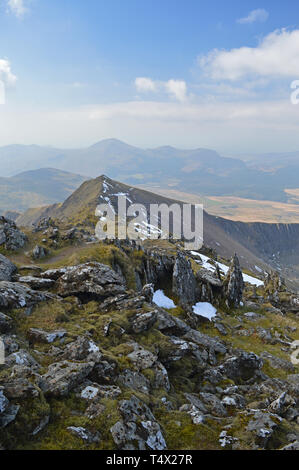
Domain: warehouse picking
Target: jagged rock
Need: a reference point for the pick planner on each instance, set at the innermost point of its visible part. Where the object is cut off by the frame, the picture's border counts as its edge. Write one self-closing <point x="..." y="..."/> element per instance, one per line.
<point x="90" y="279"/>
<point x="36" y="335"/>
<point x="36" y="282"/>
<point x="5" y="323"/>
<point x="39" y="252"/>
<point x="81" y="349"/>
<point x="134" y="380"/>
<point x="62" y="377"/>
<point x="234" y="284"/>
<point x="242" y="367"/>
<point x="16" y="295"/>
<point x="84" y="434"/>
<point x="144" y="321"/>
<point x="7" y="269"/>
<point x="139" y="429"/>
<point x="10" y="236"/>
<point x="183" y="281"/>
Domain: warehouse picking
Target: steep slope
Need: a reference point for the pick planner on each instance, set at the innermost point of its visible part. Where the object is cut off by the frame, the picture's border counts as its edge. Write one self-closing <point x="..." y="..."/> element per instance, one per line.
<point x="252" y="242"/>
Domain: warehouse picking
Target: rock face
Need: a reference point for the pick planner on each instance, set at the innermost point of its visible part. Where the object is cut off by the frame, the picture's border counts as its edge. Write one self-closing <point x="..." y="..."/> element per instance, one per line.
<point x="234" y="284"/>
<point x="10" y="236"/>
<point x="7" y="269"/>
<point x="92" y="280"/>
<point x="183" y="281"/>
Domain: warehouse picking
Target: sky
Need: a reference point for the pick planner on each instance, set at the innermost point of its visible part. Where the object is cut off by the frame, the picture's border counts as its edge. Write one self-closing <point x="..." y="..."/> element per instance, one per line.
<point x="187" y="73"/>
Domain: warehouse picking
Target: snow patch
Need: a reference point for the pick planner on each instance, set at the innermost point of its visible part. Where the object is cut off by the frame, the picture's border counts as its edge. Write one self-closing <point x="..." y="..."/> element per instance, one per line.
<point x="204" y="309"/>
<point x="162" y="300"/>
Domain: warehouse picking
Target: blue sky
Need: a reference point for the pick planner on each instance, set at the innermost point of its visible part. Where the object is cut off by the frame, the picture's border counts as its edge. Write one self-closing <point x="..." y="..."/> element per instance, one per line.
<point x="187" y="73"/>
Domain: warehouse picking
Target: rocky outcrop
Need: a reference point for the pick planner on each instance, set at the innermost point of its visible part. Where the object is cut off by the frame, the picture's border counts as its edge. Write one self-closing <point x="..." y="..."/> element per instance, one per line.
<point x="92" y="280"/>
<point x="10" y="236"/>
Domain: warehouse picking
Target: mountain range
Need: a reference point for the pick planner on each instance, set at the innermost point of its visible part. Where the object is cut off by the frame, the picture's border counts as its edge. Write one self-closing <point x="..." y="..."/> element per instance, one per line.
<point x="199" y="171"/>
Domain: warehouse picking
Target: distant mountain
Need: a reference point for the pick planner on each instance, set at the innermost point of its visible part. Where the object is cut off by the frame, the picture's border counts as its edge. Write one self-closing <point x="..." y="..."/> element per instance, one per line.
<point x="36" y="188"/>
<point x="199" y="171"/>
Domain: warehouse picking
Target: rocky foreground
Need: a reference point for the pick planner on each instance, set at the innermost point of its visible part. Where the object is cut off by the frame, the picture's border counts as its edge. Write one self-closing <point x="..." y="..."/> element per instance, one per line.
<point x="91" y="362"/>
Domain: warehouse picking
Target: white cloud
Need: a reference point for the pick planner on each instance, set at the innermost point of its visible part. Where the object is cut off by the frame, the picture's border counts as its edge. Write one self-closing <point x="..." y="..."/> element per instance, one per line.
<point x="276" y="56"/>
<point x="144" y="84"/>
<point x="175" y="88"/>
<point x="6" y="74"/>
<point x="17" y="7"/>
<point x="260" y="15"/>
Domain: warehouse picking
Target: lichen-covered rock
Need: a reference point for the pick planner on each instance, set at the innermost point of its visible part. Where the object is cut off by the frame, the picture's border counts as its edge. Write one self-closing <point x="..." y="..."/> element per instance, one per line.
<point x="62" y="377"/>
<point x="92" y="280"/>
<point x="10" y="236"/>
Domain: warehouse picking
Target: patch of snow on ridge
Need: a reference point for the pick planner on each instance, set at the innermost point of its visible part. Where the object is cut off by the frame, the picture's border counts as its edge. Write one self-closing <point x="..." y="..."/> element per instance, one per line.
<point x="205" y="262"/>
<point x="162" y="300"/>
<point x="205" y="309"/>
